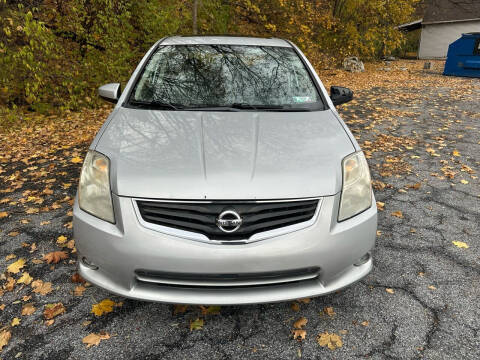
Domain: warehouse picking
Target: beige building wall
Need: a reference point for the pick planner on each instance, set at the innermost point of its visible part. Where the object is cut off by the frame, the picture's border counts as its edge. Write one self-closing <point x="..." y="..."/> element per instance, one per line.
<point x="435" y="38"/>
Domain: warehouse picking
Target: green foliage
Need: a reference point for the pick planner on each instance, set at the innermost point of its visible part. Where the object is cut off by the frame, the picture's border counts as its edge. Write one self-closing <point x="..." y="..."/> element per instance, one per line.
<point x="55" y="53"/>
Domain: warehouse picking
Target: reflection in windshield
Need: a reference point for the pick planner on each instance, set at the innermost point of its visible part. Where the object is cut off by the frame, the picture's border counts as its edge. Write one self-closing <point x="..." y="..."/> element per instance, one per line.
<point x="243" y="77"/>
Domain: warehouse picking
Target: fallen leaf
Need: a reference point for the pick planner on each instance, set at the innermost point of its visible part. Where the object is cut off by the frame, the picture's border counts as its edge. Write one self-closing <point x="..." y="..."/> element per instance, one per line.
<point x="49" y="322"/>
<point x="103" y="307"/>
<point x="76" y="160"/>
<point x="332" y="341"/>
<point x="10" y="284"/>
<point x="212" y="310"/>
<point x="304" y="300"/>
<point x="25" y="279"/>
<point x="55" y="256"/>
<point x="380" y="205"/>
<point x="300" y="323"/>
<point x="460" y="244"/>
<point x="94" y="339"/>
<point x="86" y="323"/>
<point x="398" y="214"/>
<point x="52" y="310"/>
<point x="196" y="324"/>
<point x="390" y="291"/>
<point x="295" y="306"/>
<point x="78" y="291"/>
<point x="13" y="233"/>
<point x="28" y="309"/>
<point x="3" y="214"/>
<point x="77" y="278"/>
<point x="455" y="153"/>
<point x="465" y="182"/>
<point x="10" y="257"/>
<point x="5" y="336"/>
<point x="61" y="239"/>
<point x="365" y="323"/>
<point x="431" y="287"/>
<point x="39" y="287"/>
<point x="15" y="267"/>
<point x="299" y="334"/>
<point x="329" y="311"/>
<point x="15" y="321"/>
<point x="179" y="309"/>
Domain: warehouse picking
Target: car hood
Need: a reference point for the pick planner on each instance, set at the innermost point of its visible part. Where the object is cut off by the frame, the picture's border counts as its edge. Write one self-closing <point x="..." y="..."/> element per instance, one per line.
<point x="224" y="155"/>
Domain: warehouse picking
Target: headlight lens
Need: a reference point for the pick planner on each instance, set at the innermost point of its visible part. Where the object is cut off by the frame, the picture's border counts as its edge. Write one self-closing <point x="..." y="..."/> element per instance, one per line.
<point x="357" y="188"/>
<point x="94" y="194"/>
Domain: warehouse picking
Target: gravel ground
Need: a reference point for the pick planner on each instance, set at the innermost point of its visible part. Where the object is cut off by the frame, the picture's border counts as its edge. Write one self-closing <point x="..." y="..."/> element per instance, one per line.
<point x="432" y="310"/>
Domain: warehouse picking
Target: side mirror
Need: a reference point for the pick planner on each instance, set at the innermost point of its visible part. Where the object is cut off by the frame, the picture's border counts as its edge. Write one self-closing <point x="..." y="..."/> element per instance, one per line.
<point x="110" y="92"/>
<point x="340" y="95"/>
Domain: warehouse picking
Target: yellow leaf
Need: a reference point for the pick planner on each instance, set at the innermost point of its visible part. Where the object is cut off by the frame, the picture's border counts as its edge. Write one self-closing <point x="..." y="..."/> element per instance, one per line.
<point x="39" y="287"/>
<point x="15" y="267"/>
<point x="15" y="321"/>
<point x="431" y="287"/>
<point x="94" y="339"/>
<point x="332" y="341"/>
<point x="61" y="239"/>
<point x="78" y="291"/>
<point x="455" y="153"/>
<point x="300" y="323"/>
<point x="380" y="205"/>
<point x="10" y="257"/>
<point x="3" y="214"/>
<point x="460" y="244"/>
<point x="465" y="182"/>
<point x="25" y="279"/>
<point x="76" y="160"/>
<point x="196" y="324"/>
<point x="365" y="323"/>
<point x="329" y="311"/>
<point x="299" y="334"/>
<point x="5" y="336"/>
<point x="28" y="309"/>
<point x="103" y="307"/>
<point x="398" y="214"/>
<point x="390" y="291"/>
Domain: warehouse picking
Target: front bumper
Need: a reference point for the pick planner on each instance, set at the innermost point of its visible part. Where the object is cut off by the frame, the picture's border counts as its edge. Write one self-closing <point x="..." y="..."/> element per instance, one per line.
<point x="118" y="250"/>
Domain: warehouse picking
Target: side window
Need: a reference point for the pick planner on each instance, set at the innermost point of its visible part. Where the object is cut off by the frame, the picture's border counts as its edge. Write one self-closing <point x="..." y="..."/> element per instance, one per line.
<point x="476" y="49"/>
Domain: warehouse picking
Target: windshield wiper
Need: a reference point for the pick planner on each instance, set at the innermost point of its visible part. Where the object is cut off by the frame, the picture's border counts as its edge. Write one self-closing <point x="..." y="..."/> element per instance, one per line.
<point x="155" y="105"/>
<point x="268" y="107"/>
<point x="256" y="107"/>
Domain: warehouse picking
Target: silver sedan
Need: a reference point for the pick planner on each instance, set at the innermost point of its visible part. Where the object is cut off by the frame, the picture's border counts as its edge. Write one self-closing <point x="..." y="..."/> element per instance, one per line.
<point x="224" y="175"/>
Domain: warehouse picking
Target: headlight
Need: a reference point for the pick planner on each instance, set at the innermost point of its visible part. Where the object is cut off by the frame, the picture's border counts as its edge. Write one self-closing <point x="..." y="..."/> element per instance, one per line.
<point x="357" y="189"/>
<point x="94" y="194"/>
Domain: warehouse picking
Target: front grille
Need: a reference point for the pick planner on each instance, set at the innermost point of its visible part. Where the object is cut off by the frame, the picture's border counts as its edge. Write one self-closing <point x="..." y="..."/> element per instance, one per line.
<point x="227" y="280"/>
<point x="201" y="217"/>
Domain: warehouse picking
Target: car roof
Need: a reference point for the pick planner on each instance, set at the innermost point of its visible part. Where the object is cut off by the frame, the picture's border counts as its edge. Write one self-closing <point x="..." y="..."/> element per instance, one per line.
<point x="224" y="40"/>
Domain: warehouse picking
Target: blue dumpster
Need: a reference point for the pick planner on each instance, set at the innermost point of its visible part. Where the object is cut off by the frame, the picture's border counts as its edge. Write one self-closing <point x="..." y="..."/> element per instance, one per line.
<point x="463" y="58"/>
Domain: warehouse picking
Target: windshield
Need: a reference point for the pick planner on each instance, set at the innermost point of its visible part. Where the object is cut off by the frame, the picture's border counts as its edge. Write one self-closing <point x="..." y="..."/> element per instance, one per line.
<point x="226" y="76"/>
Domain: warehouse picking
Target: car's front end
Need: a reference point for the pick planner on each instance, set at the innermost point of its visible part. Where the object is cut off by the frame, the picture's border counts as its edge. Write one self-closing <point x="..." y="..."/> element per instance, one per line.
<point x="224" y="204"/>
